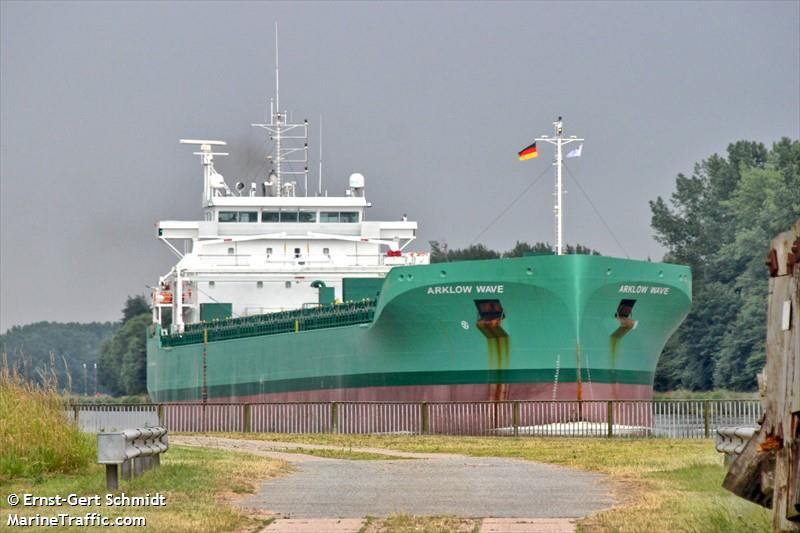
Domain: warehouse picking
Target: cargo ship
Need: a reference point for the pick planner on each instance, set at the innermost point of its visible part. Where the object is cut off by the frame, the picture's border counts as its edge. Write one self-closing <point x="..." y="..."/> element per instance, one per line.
<point x="284" y="293"/>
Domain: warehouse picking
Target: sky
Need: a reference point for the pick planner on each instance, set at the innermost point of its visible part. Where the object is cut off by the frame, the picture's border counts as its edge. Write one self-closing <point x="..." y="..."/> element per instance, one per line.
<point x="430" y="101"/>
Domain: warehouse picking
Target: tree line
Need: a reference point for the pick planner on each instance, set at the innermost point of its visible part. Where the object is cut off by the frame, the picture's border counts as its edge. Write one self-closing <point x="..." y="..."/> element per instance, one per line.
<point x="442" y="253"/>
<point x="720" y="221"/>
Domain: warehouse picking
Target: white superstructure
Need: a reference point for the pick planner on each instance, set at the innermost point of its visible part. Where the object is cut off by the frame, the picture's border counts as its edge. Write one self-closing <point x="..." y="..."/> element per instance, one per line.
<point x="262" y="247"/>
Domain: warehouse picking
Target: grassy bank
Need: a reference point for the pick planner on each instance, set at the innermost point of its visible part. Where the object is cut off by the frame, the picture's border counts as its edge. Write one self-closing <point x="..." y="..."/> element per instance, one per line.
<point x="200" y="485"/>
<point x="43" y="454"/>
<point x="660" y="484"/>
<point x="35" y="436"/>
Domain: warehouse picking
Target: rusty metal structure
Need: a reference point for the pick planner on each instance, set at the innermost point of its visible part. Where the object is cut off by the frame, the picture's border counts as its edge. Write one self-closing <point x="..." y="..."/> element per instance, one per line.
<point x="768" y="470"/>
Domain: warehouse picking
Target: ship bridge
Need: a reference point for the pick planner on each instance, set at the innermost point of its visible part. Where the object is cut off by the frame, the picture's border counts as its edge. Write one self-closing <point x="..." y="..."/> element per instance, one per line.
<point x="263" y="249"/>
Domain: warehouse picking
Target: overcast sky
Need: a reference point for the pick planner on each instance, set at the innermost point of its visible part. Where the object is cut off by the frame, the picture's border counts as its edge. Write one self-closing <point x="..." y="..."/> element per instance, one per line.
<point x="431" y="101"/>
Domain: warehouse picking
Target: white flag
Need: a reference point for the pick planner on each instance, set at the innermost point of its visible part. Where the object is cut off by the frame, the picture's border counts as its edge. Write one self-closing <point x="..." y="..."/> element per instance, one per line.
<point x="576" y="152"/>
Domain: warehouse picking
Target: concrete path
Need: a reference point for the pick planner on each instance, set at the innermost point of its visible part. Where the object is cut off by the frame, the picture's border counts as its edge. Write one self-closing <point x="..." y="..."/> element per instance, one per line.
<point x="489" y="525"/>
<point x="516" y="495"/>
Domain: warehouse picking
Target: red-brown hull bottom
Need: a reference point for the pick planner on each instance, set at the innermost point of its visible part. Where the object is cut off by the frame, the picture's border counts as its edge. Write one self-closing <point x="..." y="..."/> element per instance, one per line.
<point x="456" y="393"/>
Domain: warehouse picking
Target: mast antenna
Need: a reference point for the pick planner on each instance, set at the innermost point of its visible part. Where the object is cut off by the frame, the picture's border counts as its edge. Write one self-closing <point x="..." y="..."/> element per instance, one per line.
<point x="277" y="78"/>
<point x="282" y="130"/>
<point x="319" y="186"/>
<point x="559" y="141"/>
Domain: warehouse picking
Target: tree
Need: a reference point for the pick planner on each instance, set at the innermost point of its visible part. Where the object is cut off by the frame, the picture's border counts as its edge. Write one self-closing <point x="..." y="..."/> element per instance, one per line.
<point x="123" y="359"/>
<point x="719" y="222"/>
<point x="134" y="306"/>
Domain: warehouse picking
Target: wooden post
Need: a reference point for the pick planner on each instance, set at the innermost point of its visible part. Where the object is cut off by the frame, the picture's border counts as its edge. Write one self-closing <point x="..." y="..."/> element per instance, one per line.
<point x="334" y="418"/>
<point x="423" y="418"/>
<point x="76" y="414"/>
<point x="247" y="418"/>
<point x="160" y="410"/>
<point x="768" y="470"/>
<point x="610" y="418"/>
<point x="706" y="417"/>
<point x="515" y="417"/>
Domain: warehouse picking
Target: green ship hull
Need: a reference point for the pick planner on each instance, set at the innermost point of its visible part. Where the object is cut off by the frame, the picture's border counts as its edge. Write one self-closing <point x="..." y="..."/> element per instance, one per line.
<point x="539" y="327"/>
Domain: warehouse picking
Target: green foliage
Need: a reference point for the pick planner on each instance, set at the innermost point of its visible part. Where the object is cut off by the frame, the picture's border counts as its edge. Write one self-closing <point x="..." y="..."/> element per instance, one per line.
<point x="123" y="358"/>
<point x="134" y="306"/>
<point x="441" y="253"/>
<point x="45" y="347"/>
<point x="719" y="221"/>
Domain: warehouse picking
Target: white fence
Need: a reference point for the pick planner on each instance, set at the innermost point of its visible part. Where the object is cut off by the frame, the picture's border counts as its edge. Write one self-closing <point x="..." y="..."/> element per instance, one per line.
<point x="657" y="418"/>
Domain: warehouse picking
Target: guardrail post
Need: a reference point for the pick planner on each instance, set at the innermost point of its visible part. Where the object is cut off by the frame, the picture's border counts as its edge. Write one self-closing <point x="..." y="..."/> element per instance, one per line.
<point x="334" y="418"/>
<point x="706" y="416"/>
<point x="247" y="418"/>
<point x="423" y="418"/>
<point x="112" y="479"/>
<point x="126" y="470"/>
<point x="610" y="418"/>
<point x="515" y="417"/>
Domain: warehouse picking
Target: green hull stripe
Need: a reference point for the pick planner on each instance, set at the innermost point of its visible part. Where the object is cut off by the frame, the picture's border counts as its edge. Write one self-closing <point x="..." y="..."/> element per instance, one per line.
<point x="400" y="379"/>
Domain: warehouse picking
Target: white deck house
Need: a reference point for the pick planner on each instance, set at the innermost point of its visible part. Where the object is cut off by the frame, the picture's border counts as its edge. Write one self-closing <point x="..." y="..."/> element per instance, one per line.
<point x="256" y="254"/>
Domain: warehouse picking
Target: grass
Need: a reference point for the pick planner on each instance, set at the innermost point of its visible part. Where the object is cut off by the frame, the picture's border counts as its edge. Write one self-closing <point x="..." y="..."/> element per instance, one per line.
<point x="35" y="436"/>
<point x="43" y="454"/>
<point x="404" y="523"/>
<point x="660" y="484"/>
<point x="200" y="485"/>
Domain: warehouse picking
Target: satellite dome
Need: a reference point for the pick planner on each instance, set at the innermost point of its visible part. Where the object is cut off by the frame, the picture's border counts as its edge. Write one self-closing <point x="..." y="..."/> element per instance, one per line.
<point x="356" y="181"/>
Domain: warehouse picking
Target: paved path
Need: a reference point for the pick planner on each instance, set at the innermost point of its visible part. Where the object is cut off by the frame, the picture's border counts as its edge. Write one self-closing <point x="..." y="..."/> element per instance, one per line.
<point x="432" y="484"/>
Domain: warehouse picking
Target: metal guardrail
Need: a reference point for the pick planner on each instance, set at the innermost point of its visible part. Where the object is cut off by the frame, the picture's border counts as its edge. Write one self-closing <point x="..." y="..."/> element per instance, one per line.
<point x="135" y="450"/>
<point x="684" y="419"/>
<point x="732" y="441"/>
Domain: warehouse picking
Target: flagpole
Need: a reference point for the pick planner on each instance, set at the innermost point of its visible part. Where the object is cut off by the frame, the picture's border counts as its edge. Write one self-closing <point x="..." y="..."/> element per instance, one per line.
<point x="559" y="141"/>
<point x="559" y="221"/>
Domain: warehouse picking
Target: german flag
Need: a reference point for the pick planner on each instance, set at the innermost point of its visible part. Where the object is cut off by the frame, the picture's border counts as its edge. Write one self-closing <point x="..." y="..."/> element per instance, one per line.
<point x="529" y="152"/>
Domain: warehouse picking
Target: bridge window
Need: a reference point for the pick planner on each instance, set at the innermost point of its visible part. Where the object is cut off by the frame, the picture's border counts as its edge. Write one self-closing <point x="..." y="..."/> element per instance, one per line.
<point x="270" y="216"/>
<point x="308" y="216"/>
<point x="338" y="216"/>
<point x="238" y="216"/>
<point x="288" y="216"/>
